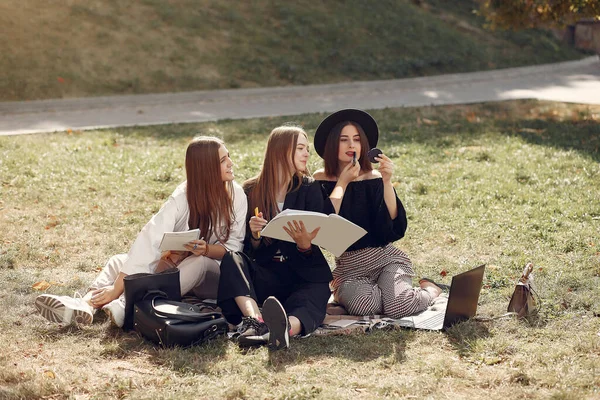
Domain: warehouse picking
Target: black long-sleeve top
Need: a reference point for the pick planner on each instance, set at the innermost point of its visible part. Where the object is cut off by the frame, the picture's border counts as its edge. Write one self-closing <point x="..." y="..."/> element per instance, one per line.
<point x="312" y="267"/>
<point x="363" y="204"/>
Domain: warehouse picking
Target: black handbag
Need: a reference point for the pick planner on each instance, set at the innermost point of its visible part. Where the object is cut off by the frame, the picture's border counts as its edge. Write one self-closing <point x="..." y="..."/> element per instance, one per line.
<point x="137" y="285"/>
<point x="172" y="323"/>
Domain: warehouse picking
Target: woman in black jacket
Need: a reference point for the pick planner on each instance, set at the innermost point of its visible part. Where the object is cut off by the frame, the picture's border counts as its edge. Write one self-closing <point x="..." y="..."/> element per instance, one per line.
<point x="289" y="279"/>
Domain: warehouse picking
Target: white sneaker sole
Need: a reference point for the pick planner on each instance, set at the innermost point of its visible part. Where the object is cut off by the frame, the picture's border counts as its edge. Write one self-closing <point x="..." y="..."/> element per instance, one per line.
<point x="54" y="310"/>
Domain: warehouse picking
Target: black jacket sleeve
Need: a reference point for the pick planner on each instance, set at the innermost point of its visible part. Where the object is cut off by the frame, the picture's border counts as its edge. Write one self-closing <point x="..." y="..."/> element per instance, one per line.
<point x="312" y="267"/>
<point x="390" y="229"/>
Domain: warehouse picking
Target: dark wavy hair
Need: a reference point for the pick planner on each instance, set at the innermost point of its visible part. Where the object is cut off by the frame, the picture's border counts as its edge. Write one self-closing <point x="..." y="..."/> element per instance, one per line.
<point x="332" y="146"/>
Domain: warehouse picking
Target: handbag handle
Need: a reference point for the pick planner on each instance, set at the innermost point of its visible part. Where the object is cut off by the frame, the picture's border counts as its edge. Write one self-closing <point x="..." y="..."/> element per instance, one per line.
<point x="526" y="271"/>
<point x="181" y="311"/>
<point x="156" y="293"/>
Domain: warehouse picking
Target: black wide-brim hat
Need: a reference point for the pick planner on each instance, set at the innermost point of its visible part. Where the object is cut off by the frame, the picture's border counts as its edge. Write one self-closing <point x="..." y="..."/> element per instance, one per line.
<point x="362" y="118"/>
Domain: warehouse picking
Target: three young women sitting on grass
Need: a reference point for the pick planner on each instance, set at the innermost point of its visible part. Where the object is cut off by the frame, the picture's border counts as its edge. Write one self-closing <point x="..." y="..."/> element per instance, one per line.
<point x="289" y="279"/>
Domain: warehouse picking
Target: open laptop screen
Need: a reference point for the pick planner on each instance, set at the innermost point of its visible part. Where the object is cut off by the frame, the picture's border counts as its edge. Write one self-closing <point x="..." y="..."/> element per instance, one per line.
<point x="464" y="295"/>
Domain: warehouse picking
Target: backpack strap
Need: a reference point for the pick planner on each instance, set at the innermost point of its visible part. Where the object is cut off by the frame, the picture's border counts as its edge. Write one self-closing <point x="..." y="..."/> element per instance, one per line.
<point x="182" y="311"/>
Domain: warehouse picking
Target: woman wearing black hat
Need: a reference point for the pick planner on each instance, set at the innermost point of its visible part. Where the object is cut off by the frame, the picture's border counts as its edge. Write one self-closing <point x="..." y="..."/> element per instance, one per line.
<point x="372" y="276"/>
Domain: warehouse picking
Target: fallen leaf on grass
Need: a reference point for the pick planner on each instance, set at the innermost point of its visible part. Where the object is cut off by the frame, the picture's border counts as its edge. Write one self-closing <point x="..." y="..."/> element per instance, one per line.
<point x="49" y="374"/>
<point x="42" y="285"/>
<point x="52" y="223"/>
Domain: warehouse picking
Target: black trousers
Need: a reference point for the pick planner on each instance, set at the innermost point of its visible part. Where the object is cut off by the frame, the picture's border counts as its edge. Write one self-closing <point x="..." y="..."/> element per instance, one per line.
<point x="241" y="276"/>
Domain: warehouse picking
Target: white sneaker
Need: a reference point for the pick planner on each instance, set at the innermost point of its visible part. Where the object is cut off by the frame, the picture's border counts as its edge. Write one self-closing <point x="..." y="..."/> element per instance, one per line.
<point x="64" y="309"/>
<point x="116" y="311"/>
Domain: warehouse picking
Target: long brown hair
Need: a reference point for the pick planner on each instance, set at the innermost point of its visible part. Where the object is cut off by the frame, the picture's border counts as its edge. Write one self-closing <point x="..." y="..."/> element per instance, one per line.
<point x="332" y="147"/>
<point x="209" y="198"/>
<point x="279" y="154"/>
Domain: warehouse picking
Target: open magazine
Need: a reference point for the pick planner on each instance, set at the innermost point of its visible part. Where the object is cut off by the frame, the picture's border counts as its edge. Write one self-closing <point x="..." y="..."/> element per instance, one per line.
<point x="335" y="236"/>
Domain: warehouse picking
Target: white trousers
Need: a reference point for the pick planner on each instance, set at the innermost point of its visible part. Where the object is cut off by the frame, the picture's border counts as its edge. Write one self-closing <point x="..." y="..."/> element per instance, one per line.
<point x="198" y="275"/>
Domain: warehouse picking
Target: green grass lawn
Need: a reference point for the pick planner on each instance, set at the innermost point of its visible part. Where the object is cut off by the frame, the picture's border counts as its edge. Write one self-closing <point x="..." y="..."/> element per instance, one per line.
<point x="499" y="183"/>
<point x="81" y="48"/>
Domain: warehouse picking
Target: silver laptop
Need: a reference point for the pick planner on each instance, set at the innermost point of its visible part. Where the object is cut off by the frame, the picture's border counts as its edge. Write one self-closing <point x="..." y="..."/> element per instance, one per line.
<point x="462" y="304"/>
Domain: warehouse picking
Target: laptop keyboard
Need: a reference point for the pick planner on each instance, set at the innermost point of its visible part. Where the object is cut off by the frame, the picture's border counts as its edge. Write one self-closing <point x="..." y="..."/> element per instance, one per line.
<point x="433" y="322"/>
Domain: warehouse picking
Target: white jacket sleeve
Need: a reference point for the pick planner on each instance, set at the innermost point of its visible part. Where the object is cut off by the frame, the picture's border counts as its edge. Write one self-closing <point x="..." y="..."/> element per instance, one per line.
<point x="238" y="228"/>
<point x="145" y="253"/>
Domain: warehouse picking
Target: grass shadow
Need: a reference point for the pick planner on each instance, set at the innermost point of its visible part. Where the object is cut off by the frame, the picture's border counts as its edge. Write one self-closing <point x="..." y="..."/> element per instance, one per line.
<point x="463" y="336"/>
<point x="198" y="359"/>
<point x="543" y="123"/>
<point x="581" y="135"/>
<point x="119" y="344"/>
<point x="52" y="333"/>
<point x="194" y="359"/>
<point x="230" y="130"/>
<point x="357" y="347"/>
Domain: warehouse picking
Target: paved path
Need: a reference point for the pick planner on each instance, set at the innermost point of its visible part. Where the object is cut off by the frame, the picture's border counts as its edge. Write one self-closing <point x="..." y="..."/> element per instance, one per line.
<point x="573" y="81"/>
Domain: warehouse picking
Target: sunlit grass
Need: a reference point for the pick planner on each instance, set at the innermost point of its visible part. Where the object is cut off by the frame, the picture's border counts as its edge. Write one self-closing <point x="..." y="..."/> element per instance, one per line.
<point x="500" y="184"/>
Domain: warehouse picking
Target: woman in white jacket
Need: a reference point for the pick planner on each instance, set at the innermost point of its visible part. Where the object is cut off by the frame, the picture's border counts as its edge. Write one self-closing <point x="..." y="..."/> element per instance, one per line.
<point x="209" y="200"/>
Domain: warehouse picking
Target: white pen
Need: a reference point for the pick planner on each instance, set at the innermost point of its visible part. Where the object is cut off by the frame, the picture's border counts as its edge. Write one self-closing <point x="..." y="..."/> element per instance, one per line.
<point x="196" y="244"/>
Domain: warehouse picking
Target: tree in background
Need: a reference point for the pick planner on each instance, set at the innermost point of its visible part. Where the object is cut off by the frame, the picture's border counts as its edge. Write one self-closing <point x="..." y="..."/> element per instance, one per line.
<point x="522" y="14"/>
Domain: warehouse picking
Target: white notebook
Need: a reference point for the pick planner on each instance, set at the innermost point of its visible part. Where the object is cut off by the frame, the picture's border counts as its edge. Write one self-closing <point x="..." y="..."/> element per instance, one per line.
<point x="335" y="236"/>
<point x="176" y="240"/>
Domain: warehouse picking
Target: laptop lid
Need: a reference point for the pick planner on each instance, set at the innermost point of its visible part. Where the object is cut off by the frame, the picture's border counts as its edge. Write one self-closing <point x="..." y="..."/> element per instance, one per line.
<point x="464" y="295"/>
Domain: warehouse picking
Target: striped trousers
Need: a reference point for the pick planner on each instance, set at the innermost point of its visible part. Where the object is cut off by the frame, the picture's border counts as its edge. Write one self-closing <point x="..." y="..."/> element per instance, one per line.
<point x="377" y="280"/>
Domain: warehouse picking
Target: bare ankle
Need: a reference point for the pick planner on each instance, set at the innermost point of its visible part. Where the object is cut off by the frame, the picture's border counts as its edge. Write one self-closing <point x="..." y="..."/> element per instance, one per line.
<point x="432" y="289"/>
